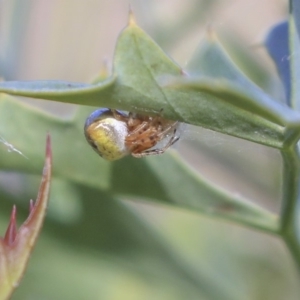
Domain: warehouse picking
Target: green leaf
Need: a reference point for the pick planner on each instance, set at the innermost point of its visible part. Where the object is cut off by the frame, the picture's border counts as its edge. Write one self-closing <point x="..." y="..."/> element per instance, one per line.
<point x="116" y="243"/>
<point x="62" y="91"/>
<point x="17" y="245"/>
<point x="249" y="63"/>
<point x="133" y="87"/>
<point x="224" y="100"/>
<point x="227" y="108"/>
<point x="228" y="102"/>
<point x="151" y="178"/>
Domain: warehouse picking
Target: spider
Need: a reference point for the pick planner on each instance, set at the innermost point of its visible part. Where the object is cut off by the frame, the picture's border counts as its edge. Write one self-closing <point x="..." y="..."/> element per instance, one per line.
<point x="114" y="134"/>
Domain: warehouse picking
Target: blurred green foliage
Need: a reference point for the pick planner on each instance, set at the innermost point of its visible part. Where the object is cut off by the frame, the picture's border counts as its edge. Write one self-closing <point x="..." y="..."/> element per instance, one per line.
<point x="115" y="230"/>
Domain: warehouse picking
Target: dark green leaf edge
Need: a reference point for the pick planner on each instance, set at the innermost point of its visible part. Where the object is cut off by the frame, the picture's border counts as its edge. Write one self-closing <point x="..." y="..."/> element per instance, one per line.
<point x="61" y="91"/>
<point x="280" y="119"/>
<point x="289" y="219"/>
<point x="234" y="95"/>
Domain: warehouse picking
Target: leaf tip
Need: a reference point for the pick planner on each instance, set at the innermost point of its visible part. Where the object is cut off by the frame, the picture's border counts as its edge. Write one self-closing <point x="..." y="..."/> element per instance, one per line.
<point x="211" y="33"/>
<point x="11" y="232"/>
<point x="48" y="148"/>
<point x="17" y="245"/>
<point x="131" y="17"/>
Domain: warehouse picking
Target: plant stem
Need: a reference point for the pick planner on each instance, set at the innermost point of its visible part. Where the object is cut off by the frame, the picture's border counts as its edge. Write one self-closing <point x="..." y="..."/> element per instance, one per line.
<point x="291" y="202"/>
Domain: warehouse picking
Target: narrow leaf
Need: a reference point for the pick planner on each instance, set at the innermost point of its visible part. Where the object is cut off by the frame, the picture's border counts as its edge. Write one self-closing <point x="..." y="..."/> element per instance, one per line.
<point x="16" y="247"/>
<point x="62" y="91"/>
<point x="228" y="102"/>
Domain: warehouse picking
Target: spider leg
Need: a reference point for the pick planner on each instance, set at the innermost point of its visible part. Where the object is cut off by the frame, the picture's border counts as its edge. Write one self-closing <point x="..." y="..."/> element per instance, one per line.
<point x="117" y="115"/>
<point x="142" y="127"/>
<point x="168" y="129"/>
<point x="172" y="141"/>
<point x="142" y="142"/>
<point x="131" y="119"/>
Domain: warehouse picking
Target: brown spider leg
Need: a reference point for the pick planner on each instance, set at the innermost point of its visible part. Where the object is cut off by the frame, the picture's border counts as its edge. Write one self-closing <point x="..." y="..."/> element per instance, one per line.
<point x="142" y="127"/>
<point x="169" y="128"/>
<point x="118" y="116"/>
<point x="115" y="113"/>
<point x="131" y="120"/>
<point x="138" y="135"/>
<point x="172" y="141"/>
<point x="143" y="137"/>
<point x="149" y="138"/>
<point x="142" y="142"/>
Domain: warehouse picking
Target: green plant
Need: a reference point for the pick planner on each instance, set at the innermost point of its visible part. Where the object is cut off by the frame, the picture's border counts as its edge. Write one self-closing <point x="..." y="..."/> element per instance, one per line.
<point x="17" y="244"/>
<point x="216" y="96"/>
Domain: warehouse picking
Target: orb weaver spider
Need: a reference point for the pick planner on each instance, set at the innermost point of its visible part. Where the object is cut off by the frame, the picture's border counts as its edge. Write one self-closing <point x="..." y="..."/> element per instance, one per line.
<point x="114" y="134"/>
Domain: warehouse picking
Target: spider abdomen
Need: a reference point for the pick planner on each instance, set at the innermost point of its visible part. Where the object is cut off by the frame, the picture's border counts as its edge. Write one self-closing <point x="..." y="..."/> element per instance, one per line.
<point x="107" y="136"/>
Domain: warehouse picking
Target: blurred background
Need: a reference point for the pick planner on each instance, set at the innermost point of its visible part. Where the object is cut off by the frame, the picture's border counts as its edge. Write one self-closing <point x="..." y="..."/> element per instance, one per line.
<point x="210" y="258"/>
